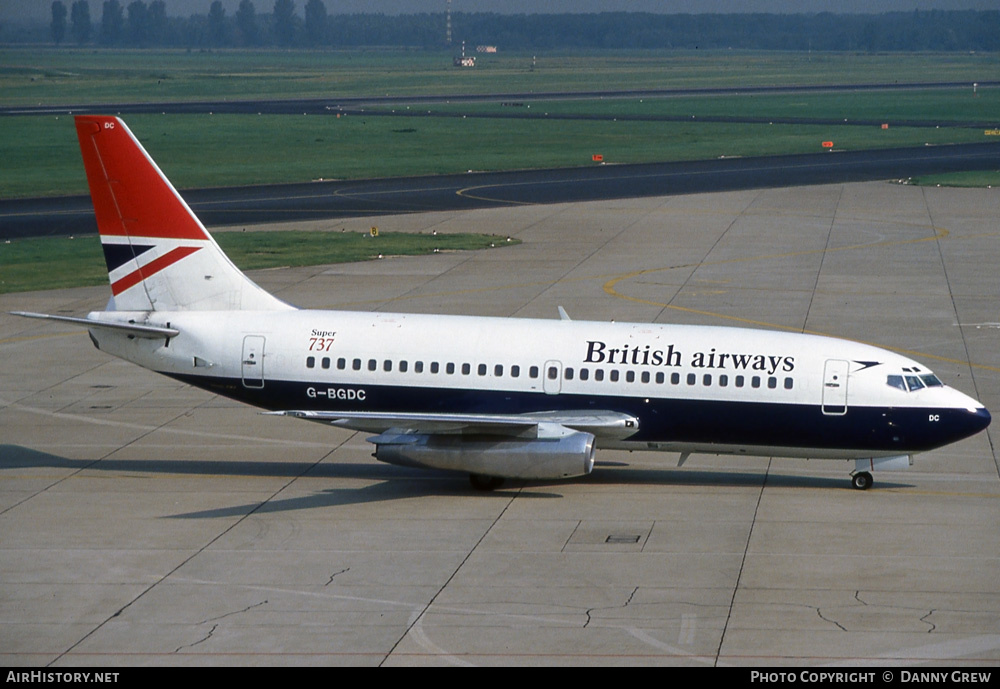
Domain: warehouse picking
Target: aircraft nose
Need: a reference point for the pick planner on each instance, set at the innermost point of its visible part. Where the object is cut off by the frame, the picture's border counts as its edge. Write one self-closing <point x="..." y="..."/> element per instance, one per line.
<point x="969" y="422"/>
<point x="981" y="418"/>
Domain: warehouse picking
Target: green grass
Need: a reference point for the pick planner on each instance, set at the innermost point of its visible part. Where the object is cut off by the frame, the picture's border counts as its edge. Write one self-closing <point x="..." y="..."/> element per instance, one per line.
<point x="957" y="105"/>
<point x="978" y="179"/>
<point x="34" y="75"/>
<point x="60" y="262"/>
<point x="40" y="155"/>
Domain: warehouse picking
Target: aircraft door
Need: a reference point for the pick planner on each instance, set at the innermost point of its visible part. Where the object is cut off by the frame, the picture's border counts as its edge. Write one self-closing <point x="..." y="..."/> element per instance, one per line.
<point x="552" y="377"/>
<point x="253" y="361"/>
<point x="835" y="375"/>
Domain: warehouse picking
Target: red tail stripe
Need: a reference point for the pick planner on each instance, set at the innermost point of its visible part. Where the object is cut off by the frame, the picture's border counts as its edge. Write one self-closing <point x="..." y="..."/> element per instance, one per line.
<point x="152" y="268"/>
<point x="131" y="196"/>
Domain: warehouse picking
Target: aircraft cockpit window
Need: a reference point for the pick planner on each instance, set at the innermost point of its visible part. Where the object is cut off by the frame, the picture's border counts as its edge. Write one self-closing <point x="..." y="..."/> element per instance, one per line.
<point x="931" y="381"/>
<point x="914" y="382"/>
<point x="896" y="382"/>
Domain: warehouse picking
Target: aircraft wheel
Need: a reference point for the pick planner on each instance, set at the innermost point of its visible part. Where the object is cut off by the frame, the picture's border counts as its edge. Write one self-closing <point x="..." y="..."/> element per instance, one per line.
<point x="484" y="482"/>
<point x="862" y="480"/>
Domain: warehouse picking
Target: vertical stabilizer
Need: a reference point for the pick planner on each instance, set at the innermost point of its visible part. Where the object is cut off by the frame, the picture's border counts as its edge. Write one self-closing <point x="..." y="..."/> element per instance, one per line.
<point x="159" y="255"/>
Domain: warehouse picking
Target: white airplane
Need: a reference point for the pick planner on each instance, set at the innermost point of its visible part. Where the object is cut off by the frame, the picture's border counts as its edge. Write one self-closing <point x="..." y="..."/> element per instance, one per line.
<point x="495" y="397"/>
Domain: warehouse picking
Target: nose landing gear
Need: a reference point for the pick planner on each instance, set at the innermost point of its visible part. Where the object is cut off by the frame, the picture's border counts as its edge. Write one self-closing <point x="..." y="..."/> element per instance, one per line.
<point x="861" y="480"/>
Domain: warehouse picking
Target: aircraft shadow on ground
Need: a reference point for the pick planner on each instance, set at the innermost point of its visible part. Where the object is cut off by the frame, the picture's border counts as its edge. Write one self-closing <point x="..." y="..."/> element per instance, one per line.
<point x="399" y="483"/>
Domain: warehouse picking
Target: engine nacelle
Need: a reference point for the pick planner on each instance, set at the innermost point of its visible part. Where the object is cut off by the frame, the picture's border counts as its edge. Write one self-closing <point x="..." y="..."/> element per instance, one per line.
<point x="542" y="458"/>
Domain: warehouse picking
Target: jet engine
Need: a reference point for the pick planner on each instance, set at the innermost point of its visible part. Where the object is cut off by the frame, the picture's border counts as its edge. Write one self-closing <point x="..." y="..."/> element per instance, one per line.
<point x="541" y="458"/>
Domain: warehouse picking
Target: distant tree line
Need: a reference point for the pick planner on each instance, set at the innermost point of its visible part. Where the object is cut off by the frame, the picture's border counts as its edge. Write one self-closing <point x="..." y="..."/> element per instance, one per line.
<point x="146" y="24"/>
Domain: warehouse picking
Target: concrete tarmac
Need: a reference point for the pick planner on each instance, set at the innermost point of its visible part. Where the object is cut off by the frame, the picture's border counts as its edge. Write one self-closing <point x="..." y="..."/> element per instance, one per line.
<point x="146" y="523"/>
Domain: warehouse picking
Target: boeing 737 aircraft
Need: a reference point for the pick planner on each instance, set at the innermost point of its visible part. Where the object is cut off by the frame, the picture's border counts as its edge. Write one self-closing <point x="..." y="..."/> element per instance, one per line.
<point x="494" y="397"/>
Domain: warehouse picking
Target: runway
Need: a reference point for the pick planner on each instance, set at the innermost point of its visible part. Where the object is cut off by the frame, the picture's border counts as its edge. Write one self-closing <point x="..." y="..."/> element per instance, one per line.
<point x="146" y="523"/>
<point x="352" y="198"/>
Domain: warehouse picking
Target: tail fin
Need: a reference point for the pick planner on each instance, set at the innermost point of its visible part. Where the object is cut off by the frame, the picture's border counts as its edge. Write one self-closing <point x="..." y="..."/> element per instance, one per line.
<point x="159" y="255"/>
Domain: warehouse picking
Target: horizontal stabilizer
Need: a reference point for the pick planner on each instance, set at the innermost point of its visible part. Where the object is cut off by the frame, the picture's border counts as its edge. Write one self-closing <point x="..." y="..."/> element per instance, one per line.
<point x="137" y="329"/>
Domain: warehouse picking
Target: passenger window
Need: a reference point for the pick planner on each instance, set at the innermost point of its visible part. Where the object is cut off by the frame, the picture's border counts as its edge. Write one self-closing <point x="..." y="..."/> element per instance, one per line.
<point x="325" y="362"/>
<point x="788" y="383"/>
<point x="552" y="373"/>
<point x="498" y="370"/>
<point x="568" y="373"/>
<point x="584" y="374"/>
<point x="660" y="378"/>
<point x="418" y="367"/>
<point x="403" y="366"/>
<point x="675" y="378"/>
<point x="372" y="364"/>
<point x="755" y="382"/>
<point x="772" y="382"/>
<point x="644" y="377"/>
<point x="341" y="363"/>
<point x="599" y="374"/>
<point x="481" y="369"/>
<point x="692" y="379"/>
<point x="614" y="375"/>
<point x="739" y="381"/>
<point x="387" y="365"/>
<point x="723" y="381"/>
<point x="515" y="371"/>
<point x="533" y="372"/>
<point x="449" y="368"/>
<point x="435" y="367"/>
<point x="356" y="364"/>
<point x="629" y="376"/>
<point x="466" y="369"/>
<point x="310" y="362"/>
<point x="706" y="379"/>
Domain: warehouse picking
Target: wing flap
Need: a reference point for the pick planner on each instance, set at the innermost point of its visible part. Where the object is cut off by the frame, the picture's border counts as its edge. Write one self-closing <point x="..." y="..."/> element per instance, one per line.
<point x="602" y="424"/>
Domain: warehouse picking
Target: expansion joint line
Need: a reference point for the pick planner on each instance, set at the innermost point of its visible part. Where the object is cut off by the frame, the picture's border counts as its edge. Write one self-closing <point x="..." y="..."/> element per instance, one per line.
<point x="743" y="562"/>
<point x="418" y="618"/>
<point x="822" y="259"/>
<point x="704" y="259"/>
<point x="958" y="319"/>
<point x="188" y="559"/>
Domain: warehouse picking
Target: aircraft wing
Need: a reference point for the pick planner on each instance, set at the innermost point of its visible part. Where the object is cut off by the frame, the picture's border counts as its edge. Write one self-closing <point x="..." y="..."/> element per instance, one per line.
<point x="602" y="424"/>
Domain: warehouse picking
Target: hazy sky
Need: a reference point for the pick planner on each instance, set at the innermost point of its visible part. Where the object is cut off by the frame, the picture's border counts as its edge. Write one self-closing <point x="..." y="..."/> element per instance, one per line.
<point x="40" y="9"/>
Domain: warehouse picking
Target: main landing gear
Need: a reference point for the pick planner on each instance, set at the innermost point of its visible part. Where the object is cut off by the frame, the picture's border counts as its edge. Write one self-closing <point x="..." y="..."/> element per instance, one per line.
<point x="484" y="482"/>
<point x="861" y="480"/>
